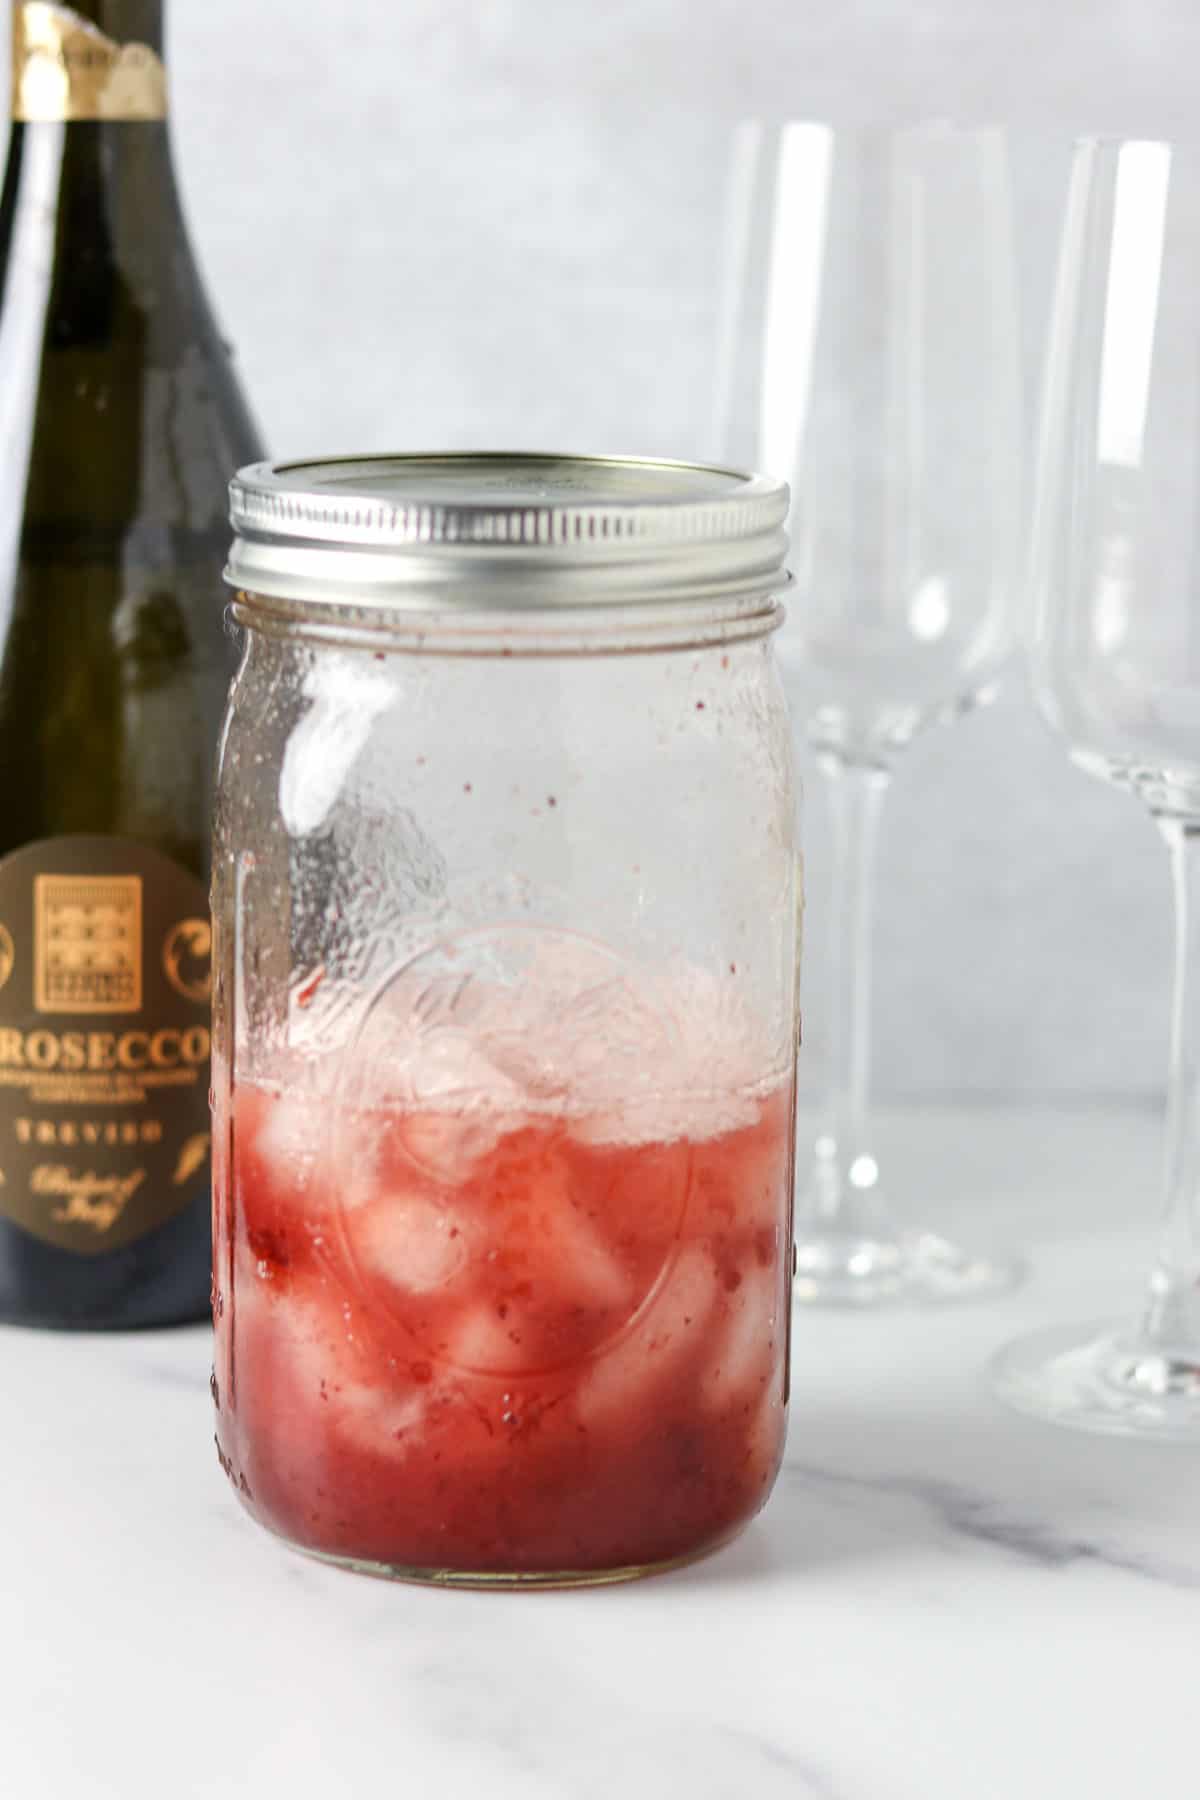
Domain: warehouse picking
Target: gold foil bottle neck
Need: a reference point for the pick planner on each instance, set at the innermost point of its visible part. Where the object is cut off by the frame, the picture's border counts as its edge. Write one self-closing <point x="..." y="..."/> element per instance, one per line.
<point x="63" y="68"/>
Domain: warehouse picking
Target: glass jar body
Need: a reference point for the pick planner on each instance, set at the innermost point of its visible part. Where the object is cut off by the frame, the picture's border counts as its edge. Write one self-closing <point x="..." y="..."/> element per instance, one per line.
<point x="504" y="1036"/>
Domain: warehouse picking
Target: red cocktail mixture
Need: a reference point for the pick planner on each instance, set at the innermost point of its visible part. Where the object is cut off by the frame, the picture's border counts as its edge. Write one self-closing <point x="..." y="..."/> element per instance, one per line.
<point x="500" y="1346"/>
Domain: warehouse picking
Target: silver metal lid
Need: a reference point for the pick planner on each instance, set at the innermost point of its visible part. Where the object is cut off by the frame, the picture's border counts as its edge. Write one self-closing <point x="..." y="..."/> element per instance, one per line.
<point x="505" y="532"/>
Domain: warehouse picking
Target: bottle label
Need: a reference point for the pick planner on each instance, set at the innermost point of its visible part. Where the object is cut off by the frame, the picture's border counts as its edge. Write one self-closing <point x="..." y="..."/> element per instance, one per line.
<point x="64" y="68"/>
<point x="105" y="983"/>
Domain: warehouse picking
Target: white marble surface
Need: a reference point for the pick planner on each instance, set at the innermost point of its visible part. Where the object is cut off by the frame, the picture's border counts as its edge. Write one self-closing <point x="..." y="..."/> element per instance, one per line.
<point x="940" y="1600"/>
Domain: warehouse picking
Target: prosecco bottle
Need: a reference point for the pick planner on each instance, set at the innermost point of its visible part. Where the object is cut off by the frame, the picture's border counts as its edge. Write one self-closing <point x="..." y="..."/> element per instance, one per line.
<point x="120" y="422"/>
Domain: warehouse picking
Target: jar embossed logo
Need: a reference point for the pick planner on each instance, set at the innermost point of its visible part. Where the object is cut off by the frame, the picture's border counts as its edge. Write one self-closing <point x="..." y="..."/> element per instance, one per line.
<point x="489" y="1041"/>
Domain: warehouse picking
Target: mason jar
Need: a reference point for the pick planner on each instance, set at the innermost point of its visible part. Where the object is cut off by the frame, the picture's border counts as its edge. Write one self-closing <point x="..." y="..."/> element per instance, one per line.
<point x="505" y="901"/>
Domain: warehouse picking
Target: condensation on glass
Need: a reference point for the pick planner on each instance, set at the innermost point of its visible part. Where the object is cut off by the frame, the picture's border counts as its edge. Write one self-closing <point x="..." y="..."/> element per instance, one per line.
<point x="505" y="897"/>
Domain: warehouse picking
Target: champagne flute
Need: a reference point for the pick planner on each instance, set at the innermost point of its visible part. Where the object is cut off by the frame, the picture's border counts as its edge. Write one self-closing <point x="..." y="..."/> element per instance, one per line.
<point x="870" y="329"/>
<point x="1116" y="665"/>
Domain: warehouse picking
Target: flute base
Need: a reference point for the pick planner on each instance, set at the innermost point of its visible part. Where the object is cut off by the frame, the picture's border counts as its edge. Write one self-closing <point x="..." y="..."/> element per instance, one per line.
<point x="915" y="1268"/>
<point x="1095" y="1378"/>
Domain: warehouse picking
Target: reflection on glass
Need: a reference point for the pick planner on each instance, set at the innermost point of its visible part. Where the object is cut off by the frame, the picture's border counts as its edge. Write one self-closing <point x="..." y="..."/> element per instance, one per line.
<point x="22" y="329"/>
<point x="1134" y="273"/>
<point x="794" y="289"/>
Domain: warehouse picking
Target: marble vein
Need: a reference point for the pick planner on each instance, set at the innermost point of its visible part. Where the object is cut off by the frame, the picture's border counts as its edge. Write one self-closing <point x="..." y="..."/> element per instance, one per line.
<point x="817" y="1781"/>
<point x="973" y="1516"/>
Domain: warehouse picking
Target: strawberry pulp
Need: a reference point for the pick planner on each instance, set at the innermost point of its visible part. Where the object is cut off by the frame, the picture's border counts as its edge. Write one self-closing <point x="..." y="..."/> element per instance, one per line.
<point x="500" y="1345"/>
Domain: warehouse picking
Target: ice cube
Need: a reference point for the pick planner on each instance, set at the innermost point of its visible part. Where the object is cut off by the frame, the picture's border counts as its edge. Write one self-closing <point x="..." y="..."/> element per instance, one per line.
<point x="764" y="1437"/>
<point x="455" y="1070"/>
<point x="761" y="1178"/>
<point x="549" y="1234"/>
<point x="408" y="1241"/>
<point x="553" y="1295"/>
<point x="487" y="1341"/>
<point x="286" y="1337"/>
<point x="449" y="1103"/>
<point x="290" y="1133"/>
<point x="449" y="1146"/>
<point x="745" y="1348"/>
<point x="585" y="1268"/>
<point x="671" y="1330"/>
<point x="318" y="1371"/>
<point x="383" y="1420"/>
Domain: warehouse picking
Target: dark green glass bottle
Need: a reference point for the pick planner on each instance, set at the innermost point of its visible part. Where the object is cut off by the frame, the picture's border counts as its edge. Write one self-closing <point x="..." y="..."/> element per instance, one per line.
<point x="120" y="423"/>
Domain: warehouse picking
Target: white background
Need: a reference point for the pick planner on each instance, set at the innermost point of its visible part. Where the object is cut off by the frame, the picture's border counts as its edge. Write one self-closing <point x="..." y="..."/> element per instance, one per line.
<point x="471" y="222"/>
